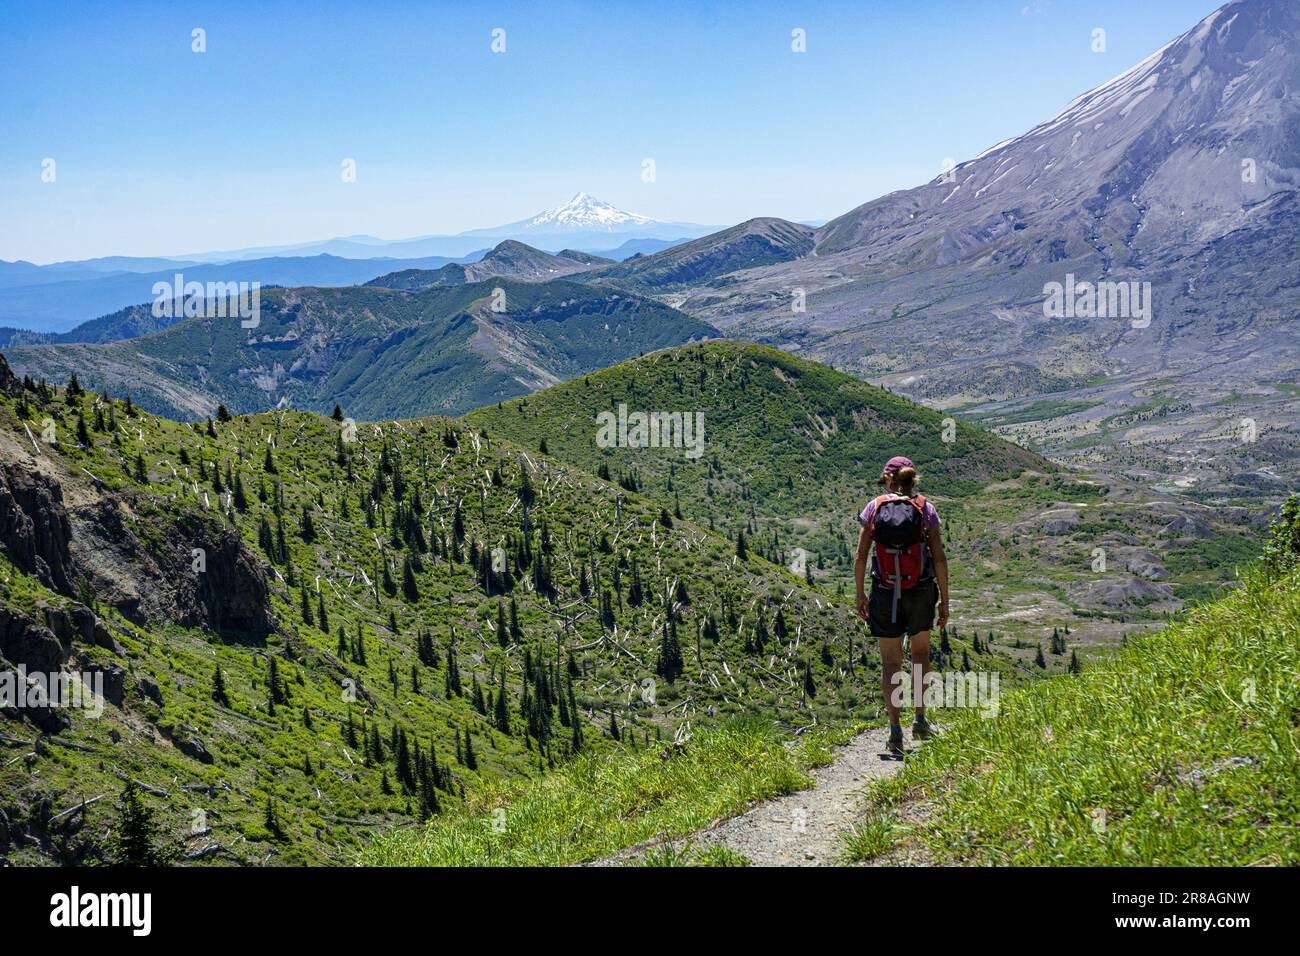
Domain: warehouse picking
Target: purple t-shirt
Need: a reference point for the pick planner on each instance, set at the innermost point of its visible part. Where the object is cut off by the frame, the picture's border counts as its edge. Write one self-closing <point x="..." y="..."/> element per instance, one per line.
<point x="931" y="516"/>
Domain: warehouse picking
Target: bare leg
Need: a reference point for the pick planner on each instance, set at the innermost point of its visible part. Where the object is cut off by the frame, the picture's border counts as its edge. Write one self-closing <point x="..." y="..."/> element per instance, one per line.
<point x="891" y="663"/>
<point x="921" y="666"/>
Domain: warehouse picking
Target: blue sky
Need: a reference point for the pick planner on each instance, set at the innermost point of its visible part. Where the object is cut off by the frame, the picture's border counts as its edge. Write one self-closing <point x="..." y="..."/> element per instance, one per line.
<point x="160" y="150"/>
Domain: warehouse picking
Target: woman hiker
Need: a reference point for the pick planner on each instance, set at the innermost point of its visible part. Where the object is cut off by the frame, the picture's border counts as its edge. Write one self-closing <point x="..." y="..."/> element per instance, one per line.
<point x="909" y="574"/>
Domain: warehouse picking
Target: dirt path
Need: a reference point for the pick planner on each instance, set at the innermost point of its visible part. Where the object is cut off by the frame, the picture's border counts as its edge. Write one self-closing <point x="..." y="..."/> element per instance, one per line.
<point x="804" y="828"/>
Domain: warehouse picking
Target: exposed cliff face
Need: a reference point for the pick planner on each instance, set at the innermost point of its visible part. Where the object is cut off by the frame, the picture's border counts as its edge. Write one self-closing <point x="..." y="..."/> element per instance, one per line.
<point x="196" y="573"/>
<point x="35" y="647"/>
<point x="231" y="594"/>
<point x="8" y="381"/>
<point x="157" y="581"/>
<point x="34" y="528"/>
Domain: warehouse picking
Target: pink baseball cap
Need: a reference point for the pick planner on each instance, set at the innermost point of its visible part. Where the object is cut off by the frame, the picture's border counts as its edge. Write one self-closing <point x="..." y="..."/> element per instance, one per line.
<point x="896" y="464"/>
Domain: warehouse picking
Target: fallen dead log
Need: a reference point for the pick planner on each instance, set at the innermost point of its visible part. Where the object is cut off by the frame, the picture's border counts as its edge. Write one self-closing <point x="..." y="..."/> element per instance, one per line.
<point x="203" y="852"/>
<point x="71" y="746"/>
<point x="76" y="806"/>
<point x="356" y="823"/>
<point x="143" y="786"/>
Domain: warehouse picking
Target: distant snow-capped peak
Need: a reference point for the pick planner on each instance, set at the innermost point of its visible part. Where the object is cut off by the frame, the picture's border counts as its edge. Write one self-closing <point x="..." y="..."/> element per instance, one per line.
<point x="587" y="213"/>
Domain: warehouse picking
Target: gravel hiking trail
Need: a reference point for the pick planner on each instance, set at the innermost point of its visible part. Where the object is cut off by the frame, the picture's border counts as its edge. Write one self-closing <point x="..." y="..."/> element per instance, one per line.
<point x="797" y="829"/>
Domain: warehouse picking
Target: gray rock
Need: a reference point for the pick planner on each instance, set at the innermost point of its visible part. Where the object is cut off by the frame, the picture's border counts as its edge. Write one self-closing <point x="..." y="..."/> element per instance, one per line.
<point x="159" y="583"/>
<point x="1061" y="523"/>
<point x="84" y="620"/>
<point x="8" y="381"/>
<point x="23" y="641"/>
<point x="35" y="531"/>
<point x="59" y="621"/>
<point x="34" y="646"/>
<point x="150" y="690"/>
<point x="114" y="678"/>
<point x="1185" y="526"/>
<point x="1257" y="480"/>
<point x="104" y="638"/>
<point x="1145" y="564"/>
<point x="76" y="621"/>
<point x="192" y="746"/>
<point x="1115" y="591"/>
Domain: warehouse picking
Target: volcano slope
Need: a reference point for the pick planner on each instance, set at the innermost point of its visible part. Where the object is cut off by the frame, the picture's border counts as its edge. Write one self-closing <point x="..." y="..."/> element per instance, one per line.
<point x="1181" y="177"/>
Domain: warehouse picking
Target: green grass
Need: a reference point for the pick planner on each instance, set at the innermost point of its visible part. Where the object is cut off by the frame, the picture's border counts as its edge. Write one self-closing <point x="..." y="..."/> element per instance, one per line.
<point x="688" y="855"/>
<point x="600" y="804"/>
<point x="1043" y="410"/>
<point x="1179" y="750"/>
<point x="869" y="838"/>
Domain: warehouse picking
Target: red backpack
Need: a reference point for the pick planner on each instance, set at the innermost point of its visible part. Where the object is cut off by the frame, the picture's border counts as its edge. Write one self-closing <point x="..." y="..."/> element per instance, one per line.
<point x="898" y="529"/>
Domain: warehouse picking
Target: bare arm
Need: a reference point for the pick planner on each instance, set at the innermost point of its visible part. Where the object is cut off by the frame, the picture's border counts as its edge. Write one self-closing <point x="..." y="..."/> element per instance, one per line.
<point x="940" y="573"/>
<point x="860" y="568"/>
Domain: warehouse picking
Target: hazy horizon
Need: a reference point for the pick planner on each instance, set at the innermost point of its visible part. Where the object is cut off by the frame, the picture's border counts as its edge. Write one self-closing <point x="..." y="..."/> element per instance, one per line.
<point x="243" y="145"/>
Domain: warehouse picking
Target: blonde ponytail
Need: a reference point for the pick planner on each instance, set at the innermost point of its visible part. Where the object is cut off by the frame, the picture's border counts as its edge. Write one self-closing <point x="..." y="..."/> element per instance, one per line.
<point x="904" y="480"/>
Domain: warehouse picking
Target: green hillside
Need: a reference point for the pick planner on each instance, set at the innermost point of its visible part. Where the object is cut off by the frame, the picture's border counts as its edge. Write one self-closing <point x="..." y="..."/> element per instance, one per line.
<point x="384" y="353"/>
<point x="603" y="803"/>
<point x="1177" y="751"/>
<point x="709" y="259"/>
<point x="791" y="451"/>
<point x="368" y="632"/>
<point x="509" y="259"/>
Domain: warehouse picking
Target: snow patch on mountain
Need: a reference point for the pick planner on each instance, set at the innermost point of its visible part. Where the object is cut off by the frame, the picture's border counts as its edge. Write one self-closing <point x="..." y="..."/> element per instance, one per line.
<point x="586" y="213"/>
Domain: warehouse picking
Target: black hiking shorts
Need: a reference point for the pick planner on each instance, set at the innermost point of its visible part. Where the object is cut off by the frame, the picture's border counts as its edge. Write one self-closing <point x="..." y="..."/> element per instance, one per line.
<point x="915" y="609"/>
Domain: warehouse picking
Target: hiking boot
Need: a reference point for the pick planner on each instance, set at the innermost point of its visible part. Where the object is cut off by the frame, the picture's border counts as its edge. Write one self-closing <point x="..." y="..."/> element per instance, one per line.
<point x="921" y="729"/>
<point x="895" y="744"/>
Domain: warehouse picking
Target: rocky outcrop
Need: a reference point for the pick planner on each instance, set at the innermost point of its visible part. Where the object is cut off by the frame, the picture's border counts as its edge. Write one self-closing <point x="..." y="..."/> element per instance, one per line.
<point x="1144" y="564"/>
<point x="114" y="681"/>
<point x="149" y="690"/>
<point x="1185" y="526"/>
<point x="8" y="381"/>
<point x="69" y="623"/>
<point x="26" y="643"/>
<point x="193" y="747"/>
<point x="1060" y="521"/>
<point x="35" y="531"/>
<point x="1257" y="480"/>
<point x="195" y="571"/>
<point x="1118" y="592"/>
<point x="231" y="591"/>
<point x="78" y="622"/>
